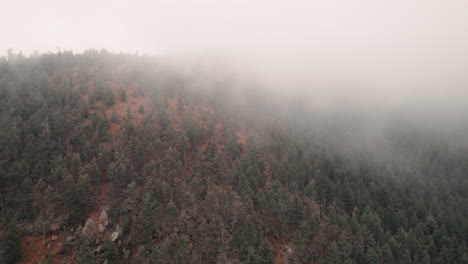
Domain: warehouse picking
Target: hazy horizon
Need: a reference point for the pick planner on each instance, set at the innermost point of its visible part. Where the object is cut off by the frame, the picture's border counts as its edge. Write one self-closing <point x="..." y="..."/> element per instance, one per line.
<point x="368" y="54"/>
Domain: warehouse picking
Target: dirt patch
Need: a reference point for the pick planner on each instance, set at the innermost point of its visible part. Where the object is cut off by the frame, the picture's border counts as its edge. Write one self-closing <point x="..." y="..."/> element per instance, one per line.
<point x="132" y="103"/>
<point x="34" y="251"/>
<point x="242" y="134"/>
<point x="280" y="250"/>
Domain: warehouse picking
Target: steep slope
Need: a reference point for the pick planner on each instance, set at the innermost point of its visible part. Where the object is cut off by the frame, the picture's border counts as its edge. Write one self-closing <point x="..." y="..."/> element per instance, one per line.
<point x="118" y="159"/>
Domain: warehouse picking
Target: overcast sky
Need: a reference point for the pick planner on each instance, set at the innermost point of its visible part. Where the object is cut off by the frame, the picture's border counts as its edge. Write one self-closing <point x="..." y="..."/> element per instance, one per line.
<point x="371" y="47"/>
<point x="176" y="25"/>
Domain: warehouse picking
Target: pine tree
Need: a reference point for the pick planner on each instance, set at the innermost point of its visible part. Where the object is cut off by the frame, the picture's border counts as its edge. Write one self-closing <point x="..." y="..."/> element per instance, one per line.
<point x="10" y="245"/>
<point x="83" y="252"/>
<point x="84" y="190"/>
<point x="141" y="109"/>
<point x="123" y="95"/>
<point x="40" y="198"/>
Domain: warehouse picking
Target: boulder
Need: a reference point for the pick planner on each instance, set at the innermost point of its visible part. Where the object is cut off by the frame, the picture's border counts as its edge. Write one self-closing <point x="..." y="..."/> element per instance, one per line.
<point x="98" y="250"/>
<point x="70" y="239"/>
<point x="61" y="250"/>
<point x="103" y="218"/>
<point x="89" y="223"/>
<point x="114" y="236"/>
<point x="89" y="234"/>
<point x="54" y="227"/>
<point x="78" y="230"/>
<point x="129" y="239"/>
<point x="126" y="253"/>
<point x="101" y="228"/>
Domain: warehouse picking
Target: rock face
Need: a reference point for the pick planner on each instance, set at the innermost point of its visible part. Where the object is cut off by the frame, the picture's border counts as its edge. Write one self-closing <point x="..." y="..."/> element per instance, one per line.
<point x="114" y="236"/>
<point x="89" y="223"/>
<point x="101" y="228"/>
<point x="126" y="253"/>
<point x="129" y="239"/>
<point x="88" y="229"/>
<point x="98" y="250"/>
<point x="103" y="218"/>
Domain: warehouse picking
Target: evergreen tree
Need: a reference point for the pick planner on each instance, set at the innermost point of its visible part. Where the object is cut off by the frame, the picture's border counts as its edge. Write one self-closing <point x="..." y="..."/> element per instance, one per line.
<point x="10" y="245"/>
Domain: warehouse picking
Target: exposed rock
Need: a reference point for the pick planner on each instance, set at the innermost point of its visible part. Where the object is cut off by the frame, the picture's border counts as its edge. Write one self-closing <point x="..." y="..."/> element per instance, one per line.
<point x="98" y="250"/>
<point x="141" y="249"/>
<point x="62" y="249"/>
<point x="54" y="227"/>
<point x="114" y="236"/>
<point x="70" y="239"/>
<point x="129" y="239"/>
<point x="101" y="228"/>
<point x="103" y="218"/>
<point x="88" y="229"/>
<point x="126" y="253"/>
<point x="118" y="229"/>
<point x="78" y="230"/>
<point x="89" y="234"/>
<point x="89" y="223"/>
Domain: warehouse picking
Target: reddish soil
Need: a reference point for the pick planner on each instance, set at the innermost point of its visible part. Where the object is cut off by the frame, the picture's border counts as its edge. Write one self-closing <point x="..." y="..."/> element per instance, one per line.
<point x="242" y="134"/>
<point x="279" y="250"/>
<point x="34" y="251"/>
<point x="172" y="106"/>
<point x="100" y="201"/>
<point x="114" y="127"/>
<point x="32" y="247"/>
<point x="199" y="112"/>
<point x="219" y="137"/>
<point x="131" y="104"/>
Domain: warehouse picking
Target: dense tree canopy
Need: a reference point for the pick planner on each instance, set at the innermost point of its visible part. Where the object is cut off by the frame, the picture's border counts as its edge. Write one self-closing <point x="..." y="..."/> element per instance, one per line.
<point x="183" y="185"/>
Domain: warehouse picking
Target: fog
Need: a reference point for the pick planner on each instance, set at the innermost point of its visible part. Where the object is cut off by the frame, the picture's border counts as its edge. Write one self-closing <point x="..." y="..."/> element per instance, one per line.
<point x="378" y="58"/>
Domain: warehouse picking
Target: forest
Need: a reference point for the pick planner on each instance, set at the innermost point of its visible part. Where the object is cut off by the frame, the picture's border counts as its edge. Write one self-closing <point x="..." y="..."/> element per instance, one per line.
<point x="121" y="158"/>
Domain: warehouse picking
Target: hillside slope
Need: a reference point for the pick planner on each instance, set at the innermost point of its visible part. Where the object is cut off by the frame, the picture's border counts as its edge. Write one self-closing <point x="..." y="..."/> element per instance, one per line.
<point x="118" y="159"/>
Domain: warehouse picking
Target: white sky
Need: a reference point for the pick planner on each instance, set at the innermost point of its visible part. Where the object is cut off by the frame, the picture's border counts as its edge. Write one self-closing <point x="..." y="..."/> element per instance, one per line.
<point x="186" y="25"/>
<point x="409" y="46"/>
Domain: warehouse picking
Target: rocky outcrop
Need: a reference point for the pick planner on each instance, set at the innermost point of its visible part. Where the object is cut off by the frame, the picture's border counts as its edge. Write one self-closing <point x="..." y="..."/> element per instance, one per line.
<point x="126" y="253"/>
<point x="114" y="236"/>
<point x="101" y="228"/>
<point x="89" y="223"/>
<point x="88" y="229"/>
<point x="103" y="218"/>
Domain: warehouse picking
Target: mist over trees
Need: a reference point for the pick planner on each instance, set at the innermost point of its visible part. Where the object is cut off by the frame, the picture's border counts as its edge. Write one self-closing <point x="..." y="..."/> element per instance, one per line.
<point x="193" y="168"/>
